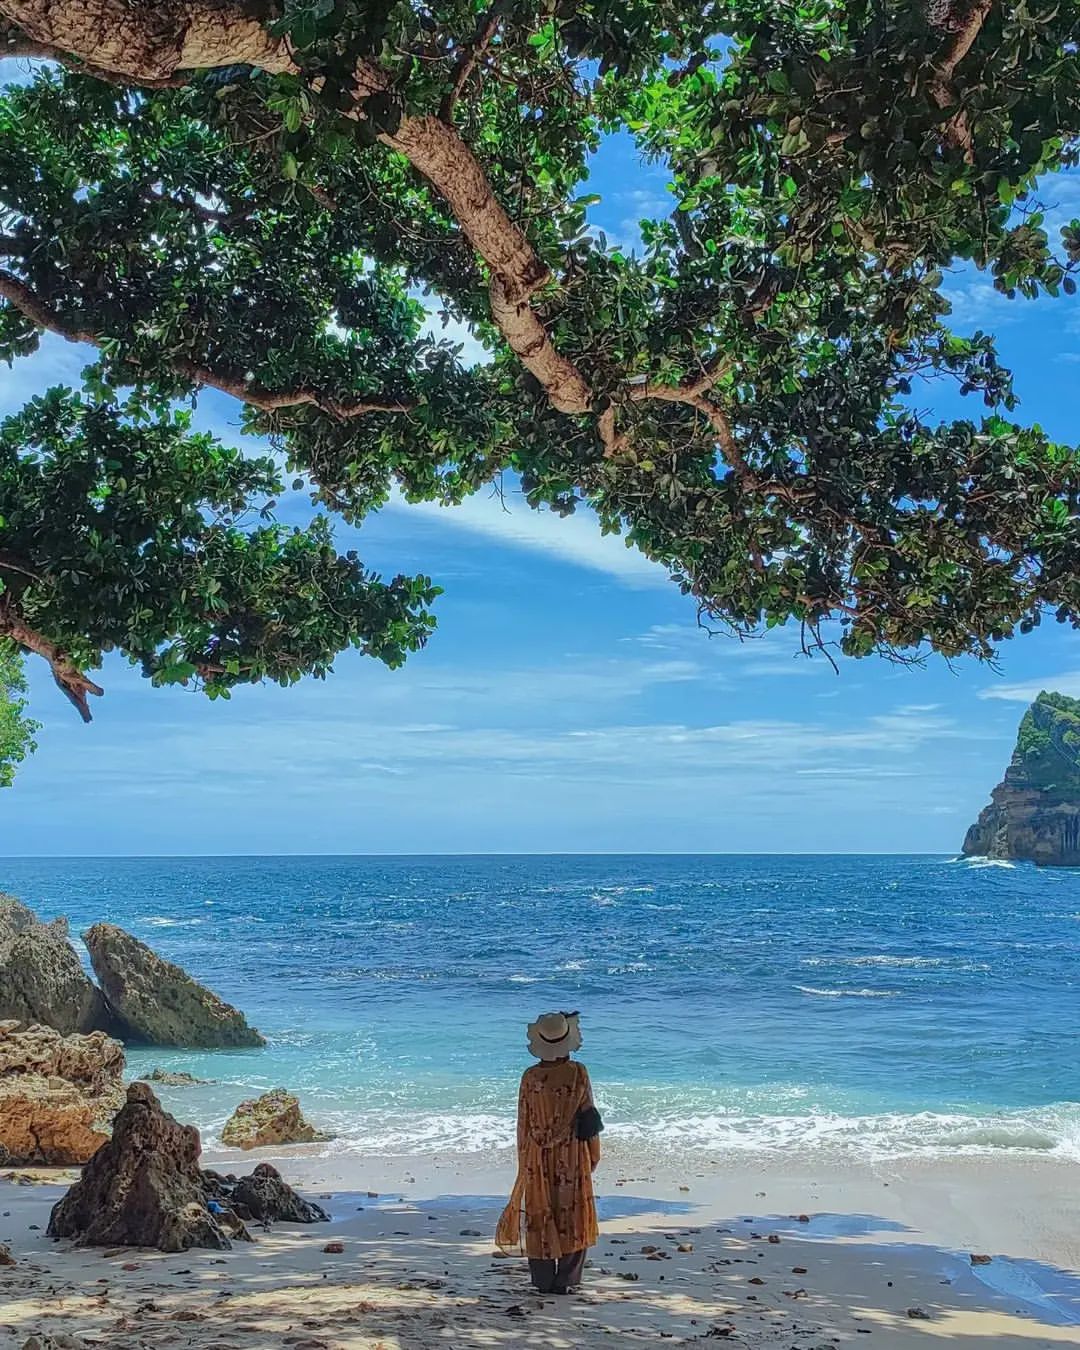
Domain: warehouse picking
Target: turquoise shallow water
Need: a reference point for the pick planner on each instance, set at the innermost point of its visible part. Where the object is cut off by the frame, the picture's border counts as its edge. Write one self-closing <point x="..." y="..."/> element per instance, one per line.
<point x="877" y="1005"/>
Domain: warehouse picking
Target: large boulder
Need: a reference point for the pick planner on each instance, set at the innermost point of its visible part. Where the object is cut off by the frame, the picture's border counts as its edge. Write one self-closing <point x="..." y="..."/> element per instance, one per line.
<point x="273" y="1118"/>
<point x="263" y="1196"/>
<point x="157" y="1002"/>
<point x="41" y="978"/>
<point x="143" y="1188"/>
<point x="58" y="1094"/>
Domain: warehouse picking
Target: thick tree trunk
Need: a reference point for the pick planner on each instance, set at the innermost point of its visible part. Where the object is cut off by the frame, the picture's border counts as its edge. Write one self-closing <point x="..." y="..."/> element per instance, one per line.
<point x="149" y="42"/>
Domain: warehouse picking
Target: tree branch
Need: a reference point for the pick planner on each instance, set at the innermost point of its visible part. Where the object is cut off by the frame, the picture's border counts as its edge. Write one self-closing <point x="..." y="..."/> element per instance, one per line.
<point x="485" y="32"/>
<point x="687" y="390"/>
<point x="9" y="564"/>
<point x="143" y="44"/>
<point x="217" y="34"/>
<point x="267" y="400"/>
<point x="965" y="27"/>
<point x="204" y="213"/>
<point x="71" y="681"/>
<point x="16" y="43"/>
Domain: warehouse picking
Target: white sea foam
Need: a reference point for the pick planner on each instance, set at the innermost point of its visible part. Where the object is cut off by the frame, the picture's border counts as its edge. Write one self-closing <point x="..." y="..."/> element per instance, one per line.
<point x="1051" y="1130"/>
<point x="1048" y="1132"/>
<point x="847" y="993"/>
<point x="899" y="962"/>
<point x="161" y="921"/>
<point x="976" y="862"/>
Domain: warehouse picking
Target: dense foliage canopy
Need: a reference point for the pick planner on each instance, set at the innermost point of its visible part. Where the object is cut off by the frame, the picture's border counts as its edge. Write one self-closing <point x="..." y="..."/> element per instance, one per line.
<point x="251" y="197"/>
<point x="1048" y="744"/>
<point x="16" y="729"/>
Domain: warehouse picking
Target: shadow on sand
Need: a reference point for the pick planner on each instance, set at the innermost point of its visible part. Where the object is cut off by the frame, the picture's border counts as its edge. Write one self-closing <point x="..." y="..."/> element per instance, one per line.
<point x="421" y="1275"/>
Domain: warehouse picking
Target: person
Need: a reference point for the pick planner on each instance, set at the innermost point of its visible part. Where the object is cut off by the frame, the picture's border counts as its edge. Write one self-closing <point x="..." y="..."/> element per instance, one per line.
<point x="552" y="1209"/>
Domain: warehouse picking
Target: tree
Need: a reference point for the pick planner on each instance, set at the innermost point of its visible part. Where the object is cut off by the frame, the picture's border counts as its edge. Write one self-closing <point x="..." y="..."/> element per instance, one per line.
<point x="16" y="729"/>
<point x="251" y="197"/>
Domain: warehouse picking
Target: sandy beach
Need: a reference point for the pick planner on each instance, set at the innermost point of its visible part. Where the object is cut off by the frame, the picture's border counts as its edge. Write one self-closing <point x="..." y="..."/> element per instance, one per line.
<point x="746" y="1251"/>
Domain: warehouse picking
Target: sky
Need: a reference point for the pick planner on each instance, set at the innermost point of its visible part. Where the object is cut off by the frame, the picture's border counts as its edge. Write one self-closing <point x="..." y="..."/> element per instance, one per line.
<point x="568" y="702"/>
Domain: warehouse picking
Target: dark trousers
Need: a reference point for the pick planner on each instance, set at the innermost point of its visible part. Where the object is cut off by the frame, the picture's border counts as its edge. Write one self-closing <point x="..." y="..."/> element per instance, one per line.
<point x="552" y="1277"/>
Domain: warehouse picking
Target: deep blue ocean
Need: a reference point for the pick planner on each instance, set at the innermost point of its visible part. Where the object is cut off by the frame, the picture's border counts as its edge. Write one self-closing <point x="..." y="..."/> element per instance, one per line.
<point x="853" y="1005"/>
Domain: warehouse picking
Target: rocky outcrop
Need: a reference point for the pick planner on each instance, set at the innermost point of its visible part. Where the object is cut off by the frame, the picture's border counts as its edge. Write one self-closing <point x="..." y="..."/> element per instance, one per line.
<point x="60" y="1340"/>
<point x="273" y="1118"/>
<point x="157" y="1002"/>
<point x="143" y="1188"/>
<point x="142" y="998"/>
<point x="6" y="1258"/>
<point x="264" y="1197"/>
<point x="175" y="1079"/>
<point x="1034" y="812"/>
<point x="41" y="978"/>
<point x="58" y="1094"/>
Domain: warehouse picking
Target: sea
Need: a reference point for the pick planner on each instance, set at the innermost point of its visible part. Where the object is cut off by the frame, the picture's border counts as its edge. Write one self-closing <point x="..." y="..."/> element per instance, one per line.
<point x="850" y="1007"/>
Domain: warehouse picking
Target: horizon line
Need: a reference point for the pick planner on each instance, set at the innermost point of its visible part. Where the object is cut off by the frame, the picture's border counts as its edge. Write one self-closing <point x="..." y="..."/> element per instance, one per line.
<point x="508" y="853"/>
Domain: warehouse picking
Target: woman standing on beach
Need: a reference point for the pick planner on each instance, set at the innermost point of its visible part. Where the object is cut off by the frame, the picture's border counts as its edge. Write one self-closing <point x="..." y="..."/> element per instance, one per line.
<point x="558" y="1146"/>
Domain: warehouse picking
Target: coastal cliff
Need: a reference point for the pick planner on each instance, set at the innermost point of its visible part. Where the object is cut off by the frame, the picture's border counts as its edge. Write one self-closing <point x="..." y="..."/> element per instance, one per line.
<point x="1034" y="812"/>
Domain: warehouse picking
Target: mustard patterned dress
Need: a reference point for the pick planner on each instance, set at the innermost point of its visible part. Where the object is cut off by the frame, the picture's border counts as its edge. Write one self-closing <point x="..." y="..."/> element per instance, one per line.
<point x="552" y="1210"/>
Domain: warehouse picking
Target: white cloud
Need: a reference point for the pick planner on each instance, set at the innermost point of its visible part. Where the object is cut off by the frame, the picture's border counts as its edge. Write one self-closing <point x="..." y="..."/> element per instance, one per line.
<point x="574" y="539"/>
<point x="1025" y="691"/>
<point x="568" y="688"/>
<point x="775" y="652"/>
<point x="976" y="304"/>
<point x="335" y="747"/>
<point x="1059" y="194"/>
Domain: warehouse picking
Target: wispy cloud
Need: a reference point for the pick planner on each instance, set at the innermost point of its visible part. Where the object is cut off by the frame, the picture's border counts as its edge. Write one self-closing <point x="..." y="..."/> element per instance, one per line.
<point x="776" y="652"/>
<point x="574" y="539"/>
<point x="975" y="301"/>
<point x="725" y="757"/>
<point x="1025" y="691"/>
<point x="976" y="304"/>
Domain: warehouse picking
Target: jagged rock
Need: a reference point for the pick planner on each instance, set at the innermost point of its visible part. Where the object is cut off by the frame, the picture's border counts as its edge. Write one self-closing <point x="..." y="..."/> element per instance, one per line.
<point x="143" y="1188"/>
<point x="6" y="1258"/>
<point x="273" y="1118"/>
<point x="1034" y="813"/>
<point x="177" y="1079"/>
<point x="41" y="979"/>
<point x="158" y="1002"/>
<point x="265" y="1197"/>
<point x="58" y="1094"/>
<point x="55" y="1340"/>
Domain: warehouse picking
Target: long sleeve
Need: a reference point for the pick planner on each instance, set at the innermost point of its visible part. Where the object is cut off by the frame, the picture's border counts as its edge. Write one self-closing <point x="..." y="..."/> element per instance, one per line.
<point x="522" y="1116"/>
<point x="587" y="1104"/>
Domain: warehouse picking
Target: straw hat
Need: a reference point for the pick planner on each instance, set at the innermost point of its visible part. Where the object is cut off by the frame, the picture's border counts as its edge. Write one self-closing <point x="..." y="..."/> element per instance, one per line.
<point x="554" y="1035"/>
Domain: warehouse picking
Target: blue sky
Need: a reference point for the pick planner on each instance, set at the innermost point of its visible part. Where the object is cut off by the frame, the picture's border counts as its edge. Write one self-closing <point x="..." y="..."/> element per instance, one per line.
<point x="567" y="702"/>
